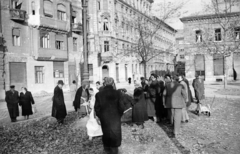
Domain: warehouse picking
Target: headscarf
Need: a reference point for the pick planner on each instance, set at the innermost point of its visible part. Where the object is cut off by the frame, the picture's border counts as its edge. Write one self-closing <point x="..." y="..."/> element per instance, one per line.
<point x="108" y="81"/>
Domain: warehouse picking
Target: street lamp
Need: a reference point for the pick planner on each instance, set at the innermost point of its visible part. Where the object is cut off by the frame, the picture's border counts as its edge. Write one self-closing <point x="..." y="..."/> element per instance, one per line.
<point x="85" y="48"/>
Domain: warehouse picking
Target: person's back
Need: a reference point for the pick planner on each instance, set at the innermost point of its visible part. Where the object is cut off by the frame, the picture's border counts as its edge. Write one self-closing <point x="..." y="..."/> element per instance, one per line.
<point x="175" y="95"/>
<point x="109" y="109"/>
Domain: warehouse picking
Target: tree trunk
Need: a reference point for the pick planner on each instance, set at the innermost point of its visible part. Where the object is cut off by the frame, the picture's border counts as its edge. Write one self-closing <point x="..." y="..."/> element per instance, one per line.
<point x="225" y="72"/>
<point x="145" y="69"/>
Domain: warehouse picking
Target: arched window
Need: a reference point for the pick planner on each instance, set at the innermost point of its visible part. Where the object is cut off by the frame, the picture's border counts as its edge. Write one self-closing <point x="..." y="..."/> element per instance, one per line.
<point x="48" y="8"/>
<point x="105" y="24"/>
<point x="33" y="7"/>
<point x="61" y="12"/>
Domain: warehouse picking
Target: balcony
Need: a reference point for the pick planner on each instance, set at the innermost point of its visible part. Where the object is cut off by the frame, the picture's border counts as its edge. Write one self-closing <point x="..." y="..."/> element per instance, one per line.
<point x="77" y="27"/>
<point x="18" y="15"/>
<point x="106" y="33"/>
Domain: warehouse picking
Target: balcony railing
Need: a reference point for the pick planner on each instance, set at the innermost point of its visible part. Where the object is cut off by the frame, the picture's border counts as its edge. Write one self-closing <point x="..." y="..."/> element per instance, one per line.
<point x="76" y="27"/>
<point x="19" y="15"/>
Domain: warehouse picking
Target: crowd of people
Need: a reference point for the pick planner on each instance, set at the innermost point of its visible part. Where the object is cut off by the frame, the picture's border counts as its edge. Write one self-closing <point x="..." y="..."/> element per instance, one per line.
<point x="162" y="99"/>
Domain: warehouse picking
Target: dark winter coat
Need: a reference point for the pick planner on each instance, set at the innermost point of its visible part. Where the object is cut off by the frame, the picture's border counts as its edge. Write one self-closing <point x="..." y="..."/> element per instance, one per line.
<point x="77" y="100"/>
<point x="12" y="100"/>
<point x="109" y="109"/>
<point x="58" y="109"/>
<point x="174" y="95"/>
<point x="140" y="107"/>
<point x="190" y="97"/>
<point x="198" y="85"/>
<point x="26" y="101"/>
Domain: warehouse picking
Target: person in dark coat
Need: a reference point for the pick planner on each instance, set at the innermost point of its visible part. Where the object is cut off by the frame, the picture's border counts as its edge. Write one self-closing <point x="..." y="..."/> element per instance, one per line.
<point x="109" y="109"/>
<point x="174" y="98"/>
<point x="190" y="97"/>
<point x="26" y="101"/>
<point x="129" y="80"/>
<point x="59" y="109"/>
<point x="198" y="85"/>
<point x="82" y="93"/>
<point x="154" y="96"/>
<point x="128" y="104"/>
<point x="12" y="100"/>
<point x="140" y="108"/>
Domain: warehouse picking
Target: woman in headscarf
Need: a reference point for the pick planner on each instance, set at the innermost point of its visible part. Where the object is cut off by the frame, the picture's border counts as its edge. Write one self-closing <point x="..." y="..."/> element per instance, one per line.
<point x="81" y="97"/>
<point x="93" y="124"/>
<point x="185" y="116"/>
<point x="109" y="108"/>
<point x="26" y="101"/>
<point x="139" y="115"/>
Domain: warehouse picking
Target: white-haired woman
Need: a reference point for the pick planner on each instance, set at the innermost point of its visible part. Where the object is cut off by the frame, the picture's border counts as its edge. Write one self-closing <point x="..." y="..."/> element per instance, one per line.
<point x="93" y="124"/>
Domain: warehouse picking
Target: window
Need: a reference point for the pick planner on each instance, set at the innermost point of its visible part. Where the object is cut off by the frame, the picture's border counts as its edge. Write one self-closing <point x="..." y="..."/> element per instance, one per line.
<point x="74" y="44"/>
<point x="44" y="39"/>
<point x="218" y="35"/>
<point x="61" y="12"/>
<point x="99" y="5"/>
<point x="105" y="24"/>
<point x="90" y="69"/>
<point x="16" y="37"/>
<point x="33" y="8"/>
<point x="58" y="68"/>
<point x="182" y="57"/>
<point x="74" y="14"/>
<point x="218" y="64"/>
<point x="60" y="39"/>
<point x="106" y="46"/>
<point x="39" y="75"/>
<point x="48" y="8"/>
<point x="237" y="33"/>
<point x="198" y="36"/>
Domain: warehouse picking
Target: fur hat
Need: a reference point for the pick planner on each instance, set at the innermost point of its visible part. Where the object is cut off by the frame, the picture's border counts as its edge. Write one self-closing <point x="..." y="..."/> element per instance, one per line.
<point x="60" y="82"/>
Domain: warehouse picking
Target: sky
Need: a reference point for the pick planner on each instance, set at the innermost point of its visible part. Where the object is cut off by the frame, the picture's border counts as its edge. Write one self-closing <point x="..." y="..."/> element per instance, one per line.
<point x="191" y="7"/>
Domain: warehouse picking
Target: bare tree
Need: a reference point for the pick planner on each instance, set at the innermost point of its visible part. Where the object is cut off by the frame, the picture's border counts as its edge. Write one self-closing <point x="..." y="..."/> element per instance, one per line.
<point x="221" y="42"/>
<point x="148" y="29"/>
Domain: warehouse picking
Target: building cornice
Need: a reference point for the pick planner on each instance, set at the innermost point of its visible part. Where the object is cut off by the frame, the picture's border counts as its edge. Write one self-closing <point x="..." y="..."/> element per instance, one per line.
<point x="210" y="16"/>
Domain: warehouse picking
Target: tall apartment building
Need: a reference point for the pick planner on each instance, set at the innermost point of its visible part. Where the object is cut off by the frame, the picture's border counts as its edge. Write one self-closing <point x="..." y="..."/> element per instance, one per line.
<point x="111" y="32"/>
<point x="43" y="42"/>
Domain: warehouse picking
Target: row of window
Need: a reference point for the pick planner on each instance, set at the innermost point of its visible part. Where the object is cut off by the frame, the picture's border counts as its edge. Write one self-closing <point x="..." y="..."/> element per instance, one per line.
<point x="49" y="11"/>
<point x="217" y="34"/>
<point x="60" y="40"/>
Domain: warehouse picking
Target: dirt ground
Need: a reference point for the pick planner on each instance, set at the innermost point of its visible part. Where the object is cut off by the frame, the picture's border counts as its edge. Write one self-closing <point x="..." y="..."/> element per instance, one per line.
<point x="217" y="134"/>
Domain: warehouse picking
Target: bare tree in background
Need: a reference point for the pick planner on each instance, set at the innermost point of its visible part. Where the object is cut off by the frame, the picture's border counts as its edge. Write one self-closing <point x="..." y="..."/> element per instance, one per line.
<point x="145" y="30"/>
<point x="224" y="41"/>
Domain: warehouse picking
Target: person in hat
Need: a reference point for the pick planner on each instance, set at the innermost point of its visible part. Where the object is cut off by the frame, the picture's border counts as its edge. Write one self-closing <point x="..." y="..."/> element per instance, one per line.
<point x="12" y="99"/>
<point x="82" y="96"/>
<point x="174" y="98"/>
<point x="109" y="108"/>
<point x="198" y="86"/>
<point x="59" y="109"/>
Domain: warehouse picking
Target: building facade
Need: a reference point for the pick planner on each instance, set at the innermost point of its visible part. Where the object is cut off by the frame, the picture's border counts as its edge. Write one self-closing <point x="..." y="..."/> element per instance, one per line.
<point x="111" y="34"/>
<point x="199" y="61"/>
<point x="43" y="43"/>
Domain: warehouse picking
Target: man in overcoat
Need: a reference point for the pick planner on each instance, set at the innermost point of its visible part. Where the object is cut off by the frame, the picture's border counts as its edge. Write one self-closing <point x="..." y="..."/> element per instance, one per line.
<point x="174" y="98"/>
<point x="59" y="109"/>
<point x="198" y="85"/>
<point x="109" y="109"/>
<point x="12" y="99"/>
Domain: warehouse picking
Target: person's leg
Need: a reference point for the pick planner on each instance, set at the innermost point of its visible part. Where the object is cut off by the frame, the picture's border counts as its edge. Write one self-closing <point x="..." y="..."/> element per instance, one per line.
<point x="177" y="120"/>
<point x="113" y="150"/>
<point x="170" y="117"/>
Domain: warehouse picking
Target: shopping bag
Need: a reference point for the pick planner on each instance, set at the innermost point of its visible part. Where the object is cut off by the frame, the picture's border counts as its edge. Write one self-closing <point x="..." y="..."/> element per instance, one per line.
<point x="34" y="109"/>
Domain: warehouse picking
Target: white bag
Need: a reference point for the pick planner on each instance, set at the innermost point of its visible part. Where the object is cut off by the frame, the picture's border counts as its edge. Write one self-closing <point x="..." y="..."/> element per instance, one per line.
<point x="34" y="109"/>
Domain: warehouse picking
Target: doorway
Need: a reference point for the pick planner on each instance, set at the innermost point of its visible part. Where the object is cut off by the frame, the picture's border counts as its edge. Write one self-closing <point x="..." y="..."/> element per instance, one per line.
<point x="18" y="75"/>
<point x="126" y="73"/>
<point x="105" y="71"/>
<point x="117" y="73"/>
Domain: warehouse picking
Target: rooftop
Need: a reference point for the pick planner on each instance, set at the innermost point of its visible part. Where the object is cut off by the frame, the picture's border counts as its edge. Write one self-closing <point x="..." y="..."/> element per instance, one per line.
<point x="209" y="16"/>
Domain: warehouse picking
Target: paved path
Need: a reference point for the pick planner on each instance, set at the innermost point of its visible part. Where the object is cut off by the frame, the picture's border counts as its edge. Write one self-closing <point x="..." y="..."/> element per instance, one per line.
<point x="44" y="103"/>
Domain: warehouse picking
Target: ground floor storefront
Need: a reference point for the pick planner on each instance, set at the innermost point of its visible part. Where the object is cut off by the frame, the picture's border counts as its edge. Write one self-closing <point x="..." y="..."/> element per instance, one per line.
<point x="211" y="67"/>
